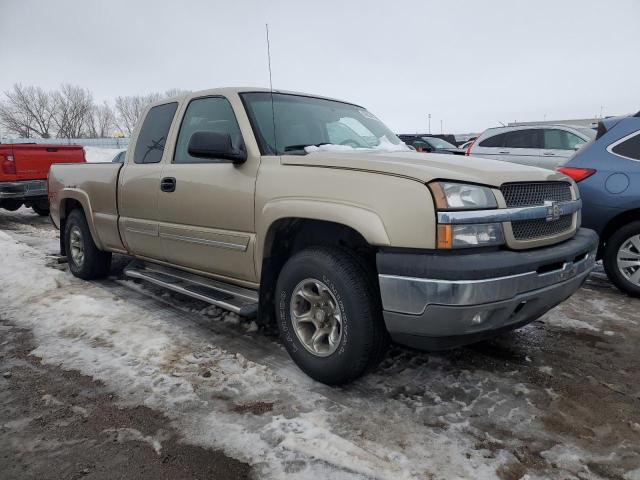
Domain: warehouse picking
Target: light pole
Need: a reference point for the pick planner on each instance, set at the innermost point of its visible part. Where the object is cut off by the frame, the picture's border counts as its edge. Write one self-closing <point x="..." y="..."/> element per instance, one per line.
<point x="429" y="116"/>
<point x="441" y="130"/>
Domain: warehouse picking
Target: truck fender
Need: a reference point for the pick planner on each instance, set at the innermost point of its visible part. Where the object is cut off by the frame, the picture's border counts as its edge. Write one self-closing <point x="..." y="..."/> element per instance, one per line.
<point x="366" y="222"/>
<point x="82" y="198"/>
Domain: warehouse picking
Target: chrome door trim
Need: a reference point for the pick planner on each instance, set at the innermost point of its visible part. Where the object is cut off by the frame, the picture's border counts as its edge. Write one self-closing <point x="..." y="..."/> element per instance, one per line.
<point x="142" y="232"/>
<point x="202" y="241"/>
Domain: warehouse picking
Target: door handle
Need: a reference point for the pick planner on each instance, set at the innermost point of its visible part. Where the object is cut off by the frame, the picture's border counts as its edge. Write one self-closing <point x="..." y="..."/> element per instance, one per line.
<point x="168" y="184"/>
<point x="549" y="154"/>
<point x="504" y="151"/>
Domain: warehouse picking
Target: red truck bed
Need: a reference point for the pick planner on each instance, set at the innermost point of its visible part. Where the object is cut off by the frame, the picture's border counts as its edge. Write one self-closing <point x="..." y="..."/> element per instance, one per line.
<point x="24" y="169"/>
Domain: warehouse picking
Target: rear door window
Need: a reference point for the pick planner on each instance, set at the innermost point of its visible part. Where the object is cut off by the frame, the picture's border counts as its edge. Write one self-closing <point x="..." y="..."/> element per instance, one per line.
<point x="529" y="138"/>
<point x="629" y="148"/>
<point x="555" y="139"/>
<point x="495" y="141"/>
<point x="153" y="134"/>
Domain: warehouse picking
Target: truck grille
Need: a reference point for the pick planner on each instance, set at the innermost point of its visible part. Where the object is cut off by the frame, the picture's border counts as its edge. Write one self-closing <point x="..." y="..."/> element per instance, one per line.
<point x="535" y="194"/>
<point x="532" y="194"/>
<point x="540" y="228"/>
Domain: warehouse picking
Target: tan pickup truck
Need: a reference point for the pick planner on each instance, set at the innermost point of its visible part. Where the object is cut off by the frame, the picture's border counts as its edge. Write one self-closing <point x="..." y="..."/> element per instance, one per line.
<point x="310" y="213"/>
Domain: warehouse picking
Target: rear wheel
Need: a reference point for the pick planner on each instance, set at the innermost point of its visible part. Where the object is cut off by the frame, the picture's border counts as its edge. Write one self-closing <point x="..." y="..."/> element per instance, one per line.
<point x="41" y="208"/>
<point x="329" y="315"/>
<point x="86" y="261"/>
<point x="622" y="258"/>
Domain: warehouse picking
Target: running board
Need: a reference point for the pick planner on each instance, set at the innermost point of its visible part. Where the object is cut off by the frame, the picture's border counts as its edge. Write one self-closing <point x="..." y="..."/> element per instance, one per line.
<point x="240" y="300"/>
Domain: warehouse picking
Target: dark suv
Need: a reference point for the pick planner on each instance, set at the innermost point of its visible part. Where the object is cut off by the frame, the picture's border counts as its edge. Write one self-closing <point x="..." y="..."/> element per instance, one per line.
<point x="608" y="174"/>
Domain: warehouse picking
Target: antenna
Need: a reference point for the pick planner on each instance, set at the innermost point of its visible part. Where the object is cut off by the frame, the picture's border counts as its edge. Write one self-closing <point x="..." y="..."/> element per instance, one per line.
<point x="273" y="112"/>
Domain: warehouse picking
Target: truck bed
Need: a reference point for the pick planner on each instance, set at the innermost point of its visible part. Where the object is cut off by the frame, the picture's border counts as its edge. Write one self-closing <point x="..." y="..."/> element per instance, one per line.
<point x="94" y="185"/>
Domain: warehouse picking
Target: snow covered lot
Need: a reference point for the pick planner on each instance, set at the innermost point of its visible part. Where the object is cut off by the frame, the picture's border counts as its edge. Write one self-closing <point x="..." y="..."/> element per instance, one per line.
<point x="558" y="399"/>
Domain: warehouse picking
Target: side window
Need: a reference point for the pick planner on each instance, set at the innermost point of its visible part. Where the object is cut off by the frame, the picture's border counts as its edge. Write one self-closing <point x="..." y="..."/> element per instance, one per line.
<point x="528" y="138"/>
<point x="211" y="114"/>
<point x="555" y="139"/>
<point x="153" y="134"/>
<point x="495" y="141"/>
<point x="630" y="148"/>
<point x="573" y="141"/>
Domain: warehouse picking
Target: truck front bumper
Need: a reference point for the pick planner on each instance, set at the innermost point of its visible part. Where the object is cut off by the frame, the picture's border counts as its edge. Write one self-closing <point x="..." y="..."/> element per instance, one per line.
<point x="23" y="189"/>
<point x="437" y="301"/>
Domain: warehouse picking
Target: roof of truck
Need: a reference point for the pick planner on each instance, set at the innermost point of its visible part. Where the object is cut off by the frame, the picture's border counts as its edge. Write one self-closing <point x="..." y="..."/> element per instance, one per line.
<point x="236" y="90"/>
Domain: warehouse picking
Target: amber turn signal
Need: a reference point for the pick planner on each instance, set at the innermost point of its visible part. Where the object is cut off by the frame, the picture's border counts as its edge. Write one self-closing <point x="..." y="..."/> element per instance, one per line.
<point x="445" y="236"/>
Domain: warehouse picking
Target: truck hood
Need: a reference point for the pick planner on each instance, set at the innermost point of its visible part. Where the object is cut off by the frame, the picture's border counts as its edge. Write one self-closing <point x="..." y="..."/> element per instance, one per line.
<point x="426" y="167"/>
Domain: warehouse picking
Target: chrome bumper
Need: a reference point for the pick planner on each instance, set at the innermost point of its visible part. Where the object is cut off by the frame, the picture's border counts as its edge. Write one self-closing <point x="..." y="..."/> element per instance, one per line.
<point x="413" y="295"/>
<point x="22" y="189"/>
<point x="436" y="301"/>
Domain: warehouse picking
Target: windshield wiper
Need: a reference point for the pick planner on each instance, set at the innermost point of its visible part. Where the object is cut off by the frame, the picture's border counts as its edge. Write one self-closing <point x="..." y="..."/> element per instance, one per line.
<point x="302" y="146"/>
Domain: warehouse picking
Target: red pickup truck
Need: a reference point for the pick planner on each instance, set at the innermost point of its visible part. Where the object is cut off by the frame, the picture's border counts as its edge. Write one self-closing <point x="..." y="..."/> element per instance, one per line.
<point x="24" y="169"/>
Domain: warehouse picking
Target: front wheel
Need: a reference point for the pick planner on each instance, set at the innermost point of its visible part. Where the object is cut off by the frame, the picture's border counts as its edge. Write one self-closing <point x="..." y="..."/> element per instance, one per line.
<point x="622" y="258"/>
<point x="329" y="314"/>
<point x="86" y="261"/>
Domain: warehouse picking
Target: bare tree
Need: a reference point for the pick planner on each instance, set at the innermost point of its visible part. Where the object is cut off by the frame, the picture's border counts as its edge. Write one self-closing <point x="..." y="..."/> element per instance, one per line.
<point x="174" y="92"/>
<point x="128" y="110"/>
<point x="28" y="111"/>
<point x="101" y="121"/>
<point x="73" y="107"/>
<point x="70" y="112"/>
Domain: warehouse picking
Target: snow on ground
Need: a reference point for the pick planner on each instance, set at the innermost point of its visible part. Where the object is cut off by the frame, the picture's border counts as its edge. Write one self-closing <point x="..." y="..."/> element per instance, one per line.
<point x="531" y="404"/>
<point x="100" y="155"/>
<point x="150" y="362"/>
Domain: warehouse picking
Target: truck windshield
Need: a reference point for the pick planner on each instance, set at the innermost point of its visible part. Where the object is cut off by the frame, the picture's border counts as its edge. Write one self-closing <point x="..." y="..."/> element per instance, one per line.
<point x="308" y="124"/>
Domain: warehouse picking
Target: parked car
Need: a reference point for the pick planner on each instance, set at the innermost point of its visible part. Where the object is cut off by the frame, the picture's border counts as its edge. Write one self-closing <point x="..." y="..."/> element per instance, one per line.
<point x="546" y="146"/>
<point x="243" y="199"/>
<point x="425" y="143"/>
<point x="608" y="172"/>
<point x="24" y="169"/>
<point x="119" y="157"/>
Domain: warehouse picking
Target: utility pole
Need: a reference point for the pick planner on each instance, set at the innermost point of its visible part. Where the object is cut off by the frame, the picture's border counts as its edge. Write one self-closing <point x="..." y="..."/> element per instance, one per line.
<point x="429" y="116"/>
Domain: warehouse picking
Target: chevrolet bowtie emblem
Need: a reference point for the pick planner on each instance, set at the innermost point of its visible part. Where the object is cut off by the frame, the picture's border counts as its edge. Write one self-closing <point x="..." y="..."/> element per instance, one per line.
<point x="554" y="211"/>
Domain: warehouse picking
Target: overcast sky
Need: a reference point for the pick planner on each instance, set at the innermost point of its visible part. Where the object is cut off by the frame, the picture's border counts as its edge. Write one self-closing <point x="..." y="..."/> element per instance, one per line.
<point x="471" y="64"/>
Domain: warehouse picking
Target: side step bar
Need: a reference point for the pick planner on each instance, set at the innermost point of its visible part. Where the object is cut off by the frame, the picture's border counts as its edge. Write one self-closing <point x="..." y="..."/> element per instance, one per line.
<point x="242" y="301"/>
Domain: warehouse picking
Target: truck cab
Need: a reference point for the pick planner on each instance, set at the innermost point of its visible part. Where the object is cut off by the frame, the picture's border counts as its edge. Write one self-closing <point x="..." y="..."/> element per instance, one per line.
<point x="309" y="213"/>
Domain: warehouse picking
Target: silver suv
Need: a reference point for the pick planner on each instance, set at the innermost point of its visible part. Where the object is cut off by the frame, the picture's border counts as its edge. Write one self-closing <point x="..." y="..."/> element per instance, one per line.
<point x="545" y="146"/>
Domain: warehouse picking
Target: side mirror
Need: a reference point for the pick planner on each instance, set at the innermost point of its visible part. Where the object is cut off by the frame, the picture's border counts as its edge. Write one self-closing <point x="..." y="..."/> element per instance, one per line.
<point x="578" y="146"/>
<point x="208" y="144"/>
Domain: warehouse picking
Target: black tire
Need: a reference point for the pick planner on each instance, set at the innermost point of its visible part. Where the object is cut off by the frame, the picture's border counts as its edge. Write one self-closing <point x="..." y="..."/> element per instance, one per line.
<point x="364" y="337"/>
<point x="96" y="263"/>
<point x="41" y="208"/>
<point x="610" y="257"/>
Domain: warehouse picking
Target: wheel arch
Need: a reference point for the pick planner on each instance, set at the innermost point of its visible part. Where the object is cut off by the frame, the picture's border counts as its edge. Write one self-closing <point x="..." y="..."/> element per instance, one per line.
<point x="73" y="200"/>
<point x="287" y="235"/>
<point x="616" y="223"/>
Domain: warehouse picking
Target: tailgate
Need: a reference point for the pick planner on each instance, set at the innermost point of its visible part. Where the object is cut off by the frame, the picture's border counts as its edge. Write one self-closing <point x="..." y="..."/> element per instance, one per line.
<point x="33" y="161"/>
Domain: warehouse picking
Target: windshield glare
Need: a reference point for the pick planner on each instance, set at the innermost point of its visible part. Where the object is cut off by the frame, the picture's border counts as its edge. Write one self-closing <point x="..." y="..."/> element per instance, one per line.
<point x="307" y="124"/>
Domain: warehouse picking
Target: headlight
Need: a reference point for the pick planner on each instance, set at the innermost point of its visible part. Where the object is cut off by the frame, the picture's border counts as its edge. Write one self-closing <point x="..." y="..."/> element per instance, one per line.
<point x="471" y="235"/>
<point x="460" y="196"/>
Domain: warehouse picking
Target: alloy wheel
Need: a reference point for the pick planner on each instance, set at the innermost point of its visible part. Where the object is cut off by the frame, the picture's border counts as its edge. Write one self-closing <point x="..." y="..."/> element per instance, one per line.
<point x="316" y="317"/>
